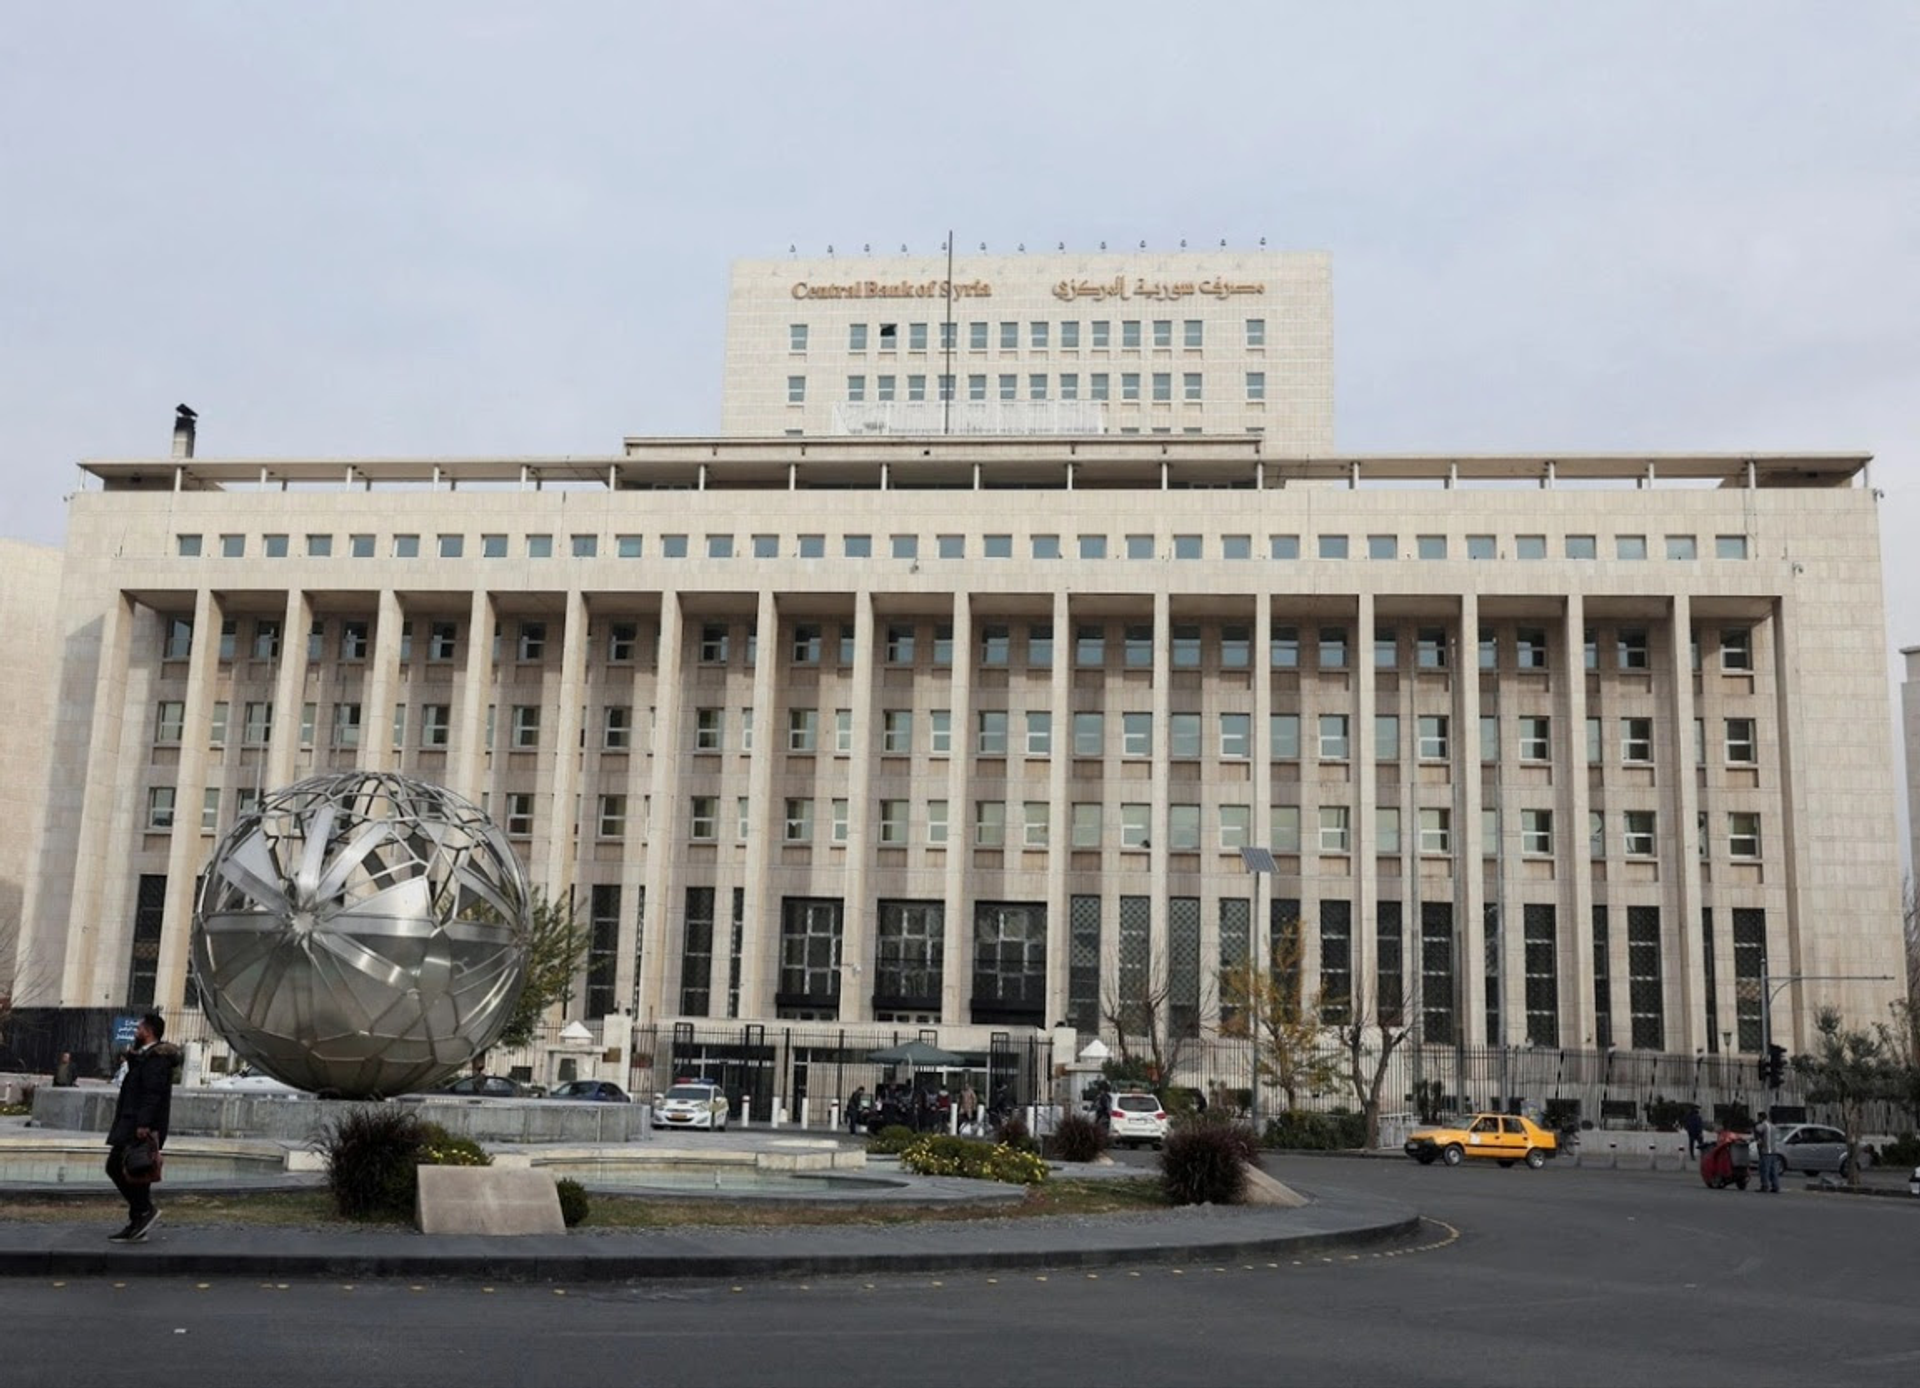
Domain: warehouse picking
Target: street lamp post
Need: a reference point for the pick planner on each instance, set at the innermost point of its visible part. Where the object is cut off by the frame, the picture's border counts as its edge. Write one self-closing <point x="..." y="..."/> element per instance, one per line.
<point x="1771" y="984"/>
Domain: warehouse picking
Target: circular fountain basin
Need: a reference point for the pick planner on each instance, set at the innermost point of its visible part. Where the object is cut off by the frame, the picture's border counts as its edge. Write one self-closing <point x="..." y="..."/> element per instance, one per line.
<point x="693" y="1180"/>
<point x="43" y="1164"/>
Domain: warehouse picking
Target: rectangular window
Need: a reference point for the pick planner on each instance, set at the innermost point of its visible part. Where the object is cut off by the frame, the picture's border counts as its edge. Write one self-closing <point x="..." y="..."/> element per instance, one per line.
<point x="709" y="729"/>
<point x="1284" y="829"/>
<point x="1536" y="831"/>
<point x="1334" y="836"/>
<point x="1683" y="547"/>
<point x="435" y="724"/>
<point x="1136" y="734"/>
<point x="977" y="337"/>
<point x="1529" y="546"/>
<point x="1163" y="387"/>
<point x="520" y="815"/>
<point x="713" y="643"/>
<point x="1284" y="649"/>
<point x="612" y="817"/>
<point x="1542" y="988"/>
<point x="1135" y="825"/>
<point x="803" y="729"/>
<point x="526" y="727"/>
<point x="1639" y="836"/>
<point x="1383" y="546"/>
<point x="896" y="732"/>
<point x="990" y="823"/>
<point x="1632" y="648"/>
<point x="1736" y="648"/>
<point x="1333" y="648"/>
<point x="1236" y="735"/>
<point x="1190" y="387"/>
<point x="1644" y="992"/>
<point x="1730" y="546"/>
<point x="990" y="738"/>
<point x="1535" y="738"/>
<point x="1631" y="547"/>
<point x="1481" y="547"/>
<point x="696" y="954"/>
<point x="1636" y="739"/>
<point x="1743" y="834"/>
<point x="797" y="818"/>
<point x="160" y="804"/>
<point x="1089" y="734"/>
<point x="856" y="546"/>
<point x="1137" y="647"/>
<point x="1386" y="737"/>
<point x="1436" y="831"/>
<point x="996" y="643"/>
<point x="169" y="720"/>
<point x="1087" y="824"/>
<point x="1430" y="648"/>
<point x="1035" y="821"/>
<point x="937" y="822"/>
<point x="1431" y="730"/>
<point x="1039" y="733"/>
<point x="893" y="823"/>
<point x="1334" y="743"/>
<point x="616" y="728"/>
<point x="840" y="828"/>
<point x="940" y="731"/>
<point x="1183" y="828"/>
<point x="806" y="643"/>
<point x="346" y="725"/>
<point x="1740" y="741"/>
<point x="1183" y="736"/>
<point x="796" y="390"/>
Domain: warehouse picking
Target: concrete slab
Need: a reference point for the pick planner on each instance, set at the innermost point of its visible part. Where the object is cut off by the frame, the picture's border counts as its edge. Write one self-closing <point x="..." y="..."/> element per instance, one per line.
<point x="488" y="1200"/>
<point x="1262" y="1189"/>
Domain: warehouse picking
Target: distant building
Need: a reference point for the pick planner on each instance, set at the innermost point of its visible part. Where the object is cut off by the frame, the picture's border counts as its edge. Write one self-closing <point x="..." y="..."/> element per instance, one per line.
<point x="970" y="732"/>
<point x="1172" y="344"/>
<point x="1910" y="724"/>
<point x="29" y="681"/>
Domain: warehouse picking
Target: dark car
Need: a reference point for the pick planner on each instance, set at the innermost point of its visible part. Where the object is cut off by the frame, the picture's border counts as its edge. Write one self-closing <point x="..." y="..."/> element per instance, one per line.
<point x="592" y="1091"/>
<point x="485" y="1087"/>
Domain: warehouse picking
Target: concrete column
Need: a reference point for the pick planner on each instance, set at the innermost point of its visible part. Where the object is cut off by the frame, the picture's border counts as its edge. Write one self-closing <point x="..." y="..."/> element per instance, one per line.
<point x="1574" y="938"/>
<point x="760" y="936"/>
<point x="186" y="850"/>
<point x="1683" y="981"/>
<point x="956" y="978"/>
<point x="563" y="818"/>
<point x="106" y="826"/>
<point x="470" y="756"/>
<point x="1160" y="950"/>
<point x="858" y="928"/>
<point x="1366" y="892"/>
<point x="1468" y="860"/>
<point x="383" y="686"/>
<point x="1785" y="941"/>
<point x="289" y="693"/>
<point x="637" y="905"/>
<point x="659" y="952"/>
<point x="1060" y="840"/>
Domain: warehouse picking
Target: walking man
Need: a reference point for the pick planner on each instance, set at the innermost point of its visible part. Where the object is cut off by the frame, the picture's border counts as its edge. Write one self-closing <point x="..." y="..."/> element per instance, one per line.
<point x="142" y="1112"/>
<point x="1694" y="1128"/>
<point x="1763" y="1153"/>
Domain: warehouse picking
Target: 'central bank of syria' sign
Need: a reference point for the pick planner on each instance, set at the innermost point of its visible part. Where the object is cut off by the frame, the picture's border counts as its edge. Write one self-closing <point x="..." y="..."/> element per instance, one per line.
<point x="896" y="289"/>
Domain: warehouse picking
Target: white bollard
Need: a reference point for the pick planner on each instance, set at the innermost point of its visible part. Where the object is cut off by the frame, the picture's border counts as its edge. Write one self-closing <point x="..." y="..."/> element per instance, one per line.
<point x="779" y="1110"/>
<point x="953" y="1119"/>
<point x="833" y="1116"/>
<point x="803" y="1113"/>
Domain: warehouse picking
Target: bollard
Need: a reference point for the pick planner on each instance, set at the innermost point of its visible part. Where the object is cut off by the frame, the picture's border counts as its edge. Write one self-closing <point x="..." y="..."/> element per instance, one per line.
<point x="779" y="1110"/>
<point x="833" y="1115"/>
<point x="1913" y="1182"/>
<point x="953" y="1119"/>
<point x="803" y="1113"/>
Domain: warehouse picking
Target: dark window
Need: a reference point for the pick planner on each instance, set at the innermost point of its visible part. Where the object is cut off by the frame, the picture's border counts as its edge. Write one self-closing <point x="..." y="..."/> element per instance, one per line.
<point x="1390" y="964"/>
<point x="1602" y="981"/>
<point x="1010" y="962"/>
<point x="1490" y="957"/>
<point x="696" y="959"/>
<point x="1083" y="964"/>
<point x="1283" y="944"/>
<point x="1643" y="978"/>
<point x="1183" y="965"/>
<point x="603" y="949"/>
<point x="1707" y="978"/>
<point x="1336" y="960"/>
<point x="1749" y="973"/>
<point x="1135" y="962"/>
<point x="810" y="954"/>
<point x="733" y="961"/>
<point x="1236" y="931"/>
<point x="1543" y="987"/>
<point x="143" y="962"/>
<point x="1436" y="970"/>
<point x="910" y="956"/>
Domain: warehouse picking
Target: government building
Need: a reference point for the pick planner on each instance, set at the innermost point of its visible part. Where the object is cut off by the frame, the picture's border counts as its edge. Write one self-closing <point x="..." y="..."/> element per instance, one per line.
<point x="849" y="721"/>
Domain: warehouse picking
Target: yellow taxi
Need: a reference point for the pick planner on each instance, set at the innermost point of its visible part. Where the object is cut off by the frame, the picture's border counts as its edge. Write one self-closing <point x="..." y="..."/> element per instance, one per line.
<point x="1505" y="1138"/>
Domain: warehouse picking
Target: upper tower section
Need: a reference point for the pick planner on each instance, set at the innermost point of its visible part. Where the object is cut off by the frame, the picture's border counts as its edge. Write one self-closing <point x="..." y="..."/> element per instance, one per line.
<point x="1177" y="343"/>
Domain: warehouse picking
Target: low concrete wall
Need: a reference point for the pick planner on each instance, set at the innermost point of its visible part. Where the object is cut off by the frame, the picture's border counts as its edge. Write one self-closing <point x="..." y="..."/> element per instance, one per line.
<point x="213" y="1113"/>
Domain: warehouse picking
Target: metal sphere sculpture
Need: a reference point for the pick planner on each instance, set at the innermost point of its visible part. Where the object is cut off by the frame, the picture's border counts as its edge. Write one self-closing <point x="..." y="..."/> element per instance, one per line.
<point x="361" y="934"/>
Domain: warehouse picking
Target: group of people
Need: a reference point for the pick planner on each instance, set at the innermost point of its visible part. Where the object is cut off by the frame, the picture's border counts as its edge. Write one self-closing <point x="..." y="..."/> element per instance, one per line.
<point x="1766" y="1159"/>
<point x="923" y="1109"/>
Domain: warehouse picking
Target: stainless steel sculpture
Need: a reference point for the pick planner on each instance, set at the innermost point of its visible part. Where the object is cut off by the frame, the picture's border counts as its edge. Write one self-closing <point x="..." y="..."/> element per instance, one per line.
<point x="362" y="934"/>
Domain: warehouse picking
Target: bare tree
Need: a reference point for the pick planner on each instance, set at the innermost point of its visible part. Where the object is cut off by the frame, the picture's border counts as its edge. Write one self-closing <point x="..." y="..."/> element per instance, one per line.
<point x="1910" y="922"/>
<point x="1151" y="1028"/>
<point x="1369" y="1036"/>
<point x="1289" y="1029"/>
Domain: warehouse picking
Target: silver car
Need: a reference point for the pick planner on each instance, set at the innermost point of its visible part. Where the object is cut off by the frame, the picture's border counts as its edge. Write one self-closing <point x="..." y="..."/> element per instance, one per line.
<point x="1813" y="1147"/>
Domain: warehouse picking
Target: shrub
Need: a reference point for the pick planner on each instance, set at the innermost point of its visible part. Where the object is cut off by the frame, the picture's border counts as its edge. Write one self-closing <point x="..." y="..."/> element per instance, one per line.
<point x="574" y="1205"/>
<point x="371" y="1154"/>
<point x="1013" y="1132"/>
<point x="940" y="1155"/>
<point x="1078" y="1138"/>
<point x="1205" y="1162"/>
<point x="1317" y="1132"/>
<point x="1904" y="1150"/>
<point x="1664" y="1115"/>
<point x="891" y="1141"/>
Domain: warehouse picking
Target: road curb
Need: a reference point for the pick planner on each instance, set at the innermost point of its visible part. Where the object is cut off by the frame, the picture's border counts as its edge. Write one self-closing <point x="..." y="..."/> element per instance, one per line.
<point x="588" y="1264"/>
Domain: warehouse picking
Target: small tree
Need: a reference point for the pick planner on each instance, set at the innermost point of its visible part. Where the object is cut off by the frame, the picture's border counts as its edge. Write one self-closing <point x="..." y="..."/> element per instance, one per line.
<point x="1289" y="1033"/>
<point x="1849" y="1070"/>
<point x="1151" y="1029"/>
<point x="556" y="948"/>
<point x="1369" y="1037"/>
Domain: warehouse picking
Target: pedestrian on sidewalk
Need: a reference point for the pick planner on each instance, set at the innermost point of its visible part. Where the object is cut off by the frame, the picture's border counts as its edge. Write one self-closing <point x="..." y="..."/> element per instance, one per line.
<point x="63" y="1071"/>
<point x="141" y="1114"/>
<point x="1764" y="1155"/>
<point x="1694" y="1128"/>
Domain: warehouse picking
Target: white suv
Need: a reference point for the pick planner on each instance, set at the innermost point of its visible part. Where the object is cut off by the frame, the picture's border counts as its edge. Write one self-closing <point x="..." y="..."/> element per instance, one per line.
<point x="1132" y="1117"/>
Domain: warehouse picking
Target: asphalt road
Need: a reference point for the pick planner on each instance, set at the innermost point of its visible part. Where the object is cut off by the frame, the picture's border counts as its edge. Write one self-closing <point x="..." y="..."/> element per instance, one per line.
<point x="1559" y="1277"/>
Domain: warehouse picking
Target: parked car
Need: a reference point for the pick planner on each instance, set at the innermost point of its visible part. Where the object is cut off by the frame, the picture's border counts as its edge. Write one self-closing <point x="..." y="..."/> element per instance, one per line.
<point x="485" y="1087"/>
<point x="593" y="1091"/>
<point x="1504" y="1138"/>
<point x="1814" y="1147"/>
<point x="247" y="1080"/>
<point x="691" y="1104"/>
<point x="1132" y="1117"/>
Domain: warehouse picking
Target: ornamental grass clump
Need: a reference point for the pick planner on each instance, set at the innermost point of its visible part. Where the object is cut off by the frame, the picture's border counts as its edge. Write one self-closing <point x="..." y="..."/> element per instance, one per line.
<point x="1205" y="1162"/>
<point x="373" y="1155"/>
<point x="980" y="1161"/>
<point x="574" y="1204"/>
<point x="1077" y="1138"/>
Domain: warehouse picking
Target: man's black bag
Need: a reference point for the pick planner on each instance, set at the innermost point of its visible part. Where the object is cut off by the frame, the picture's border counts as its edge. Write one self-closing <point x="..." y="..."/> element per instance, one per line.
<point x="141" y="1162"/>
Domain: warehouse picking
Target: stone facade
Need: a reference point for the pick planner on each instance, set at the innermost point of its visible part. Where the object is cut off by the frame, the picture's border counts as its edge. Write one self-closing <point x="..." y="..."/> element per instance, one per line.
<point x="29" y="597"/>
<point x="1177" y="343"/>
<point x="828" y="730"/>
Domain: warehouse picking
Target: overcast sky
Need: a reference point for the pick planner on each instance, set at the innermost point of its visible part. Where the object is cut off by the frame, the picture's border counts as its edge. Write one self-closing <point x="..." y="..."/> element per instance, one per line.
<point x="454" y="228"/>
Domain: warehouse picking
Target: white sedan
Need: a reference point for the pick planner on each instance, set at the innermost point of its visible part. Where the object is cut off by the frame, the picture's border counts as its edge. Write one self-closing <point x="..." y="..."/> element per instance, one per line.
<point x="691" y="1105"/>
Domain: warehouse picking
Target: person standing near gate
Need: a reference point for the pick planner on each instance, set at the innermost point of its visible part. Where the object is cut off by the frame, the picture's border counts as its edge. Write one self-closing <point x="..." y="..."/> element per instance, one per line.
<point x="141" y="1113"/>
<point x="1763" y="1154"/>
<point x="1694" y="1128"/>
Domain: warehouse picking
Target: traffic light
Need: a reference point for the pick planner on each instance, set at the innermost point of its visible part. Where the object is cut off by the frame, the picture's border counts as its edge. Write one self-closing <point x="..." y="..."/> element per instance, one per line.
<point x="1775" y="1066"/>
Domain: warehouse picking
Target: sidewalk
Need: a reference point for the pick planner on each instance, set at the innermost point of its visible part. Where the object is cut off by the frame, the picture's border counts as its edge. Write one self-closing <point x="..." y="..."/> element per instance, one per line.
<point x="1334" y="1220"/>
